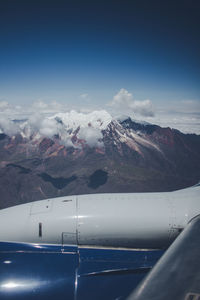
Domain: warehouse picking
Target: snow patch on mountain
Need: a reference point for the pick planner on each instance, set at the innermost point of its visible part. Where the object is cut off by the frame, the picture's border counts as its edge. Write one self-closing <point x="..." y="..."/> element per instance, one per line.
<point x="89" y="126"/>
<point x="73" y="119"/>
<point x="86" y="127"/>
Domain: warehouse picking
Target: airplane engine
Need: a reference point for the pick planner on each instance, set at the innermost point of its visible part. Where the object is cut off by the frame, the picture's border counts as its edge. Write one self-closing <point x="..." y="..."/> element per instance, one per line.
<point x="140" y="220"/>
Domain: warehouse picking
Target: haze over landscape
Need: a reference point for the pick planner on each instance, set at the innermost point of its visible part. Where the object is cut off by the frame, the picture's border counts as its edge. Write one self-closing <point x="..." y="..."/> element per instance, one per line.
<point x="95" y="93"/>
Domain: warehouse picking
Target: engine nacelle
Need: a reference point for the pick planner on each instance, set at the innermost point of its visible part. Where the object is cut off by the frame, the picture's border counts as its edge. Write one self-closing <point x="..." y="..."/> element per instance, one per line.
<point x="135" y="220"/>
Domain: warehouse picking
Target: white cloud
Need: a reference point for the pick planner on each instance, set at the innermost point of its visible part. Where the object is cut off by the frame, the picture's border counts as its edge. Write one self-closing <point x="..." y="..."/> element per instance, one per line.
<point x="42" y="125"/>
<point x="183" y="115"/>
<point x="96" y="119"/>
<point x="90" y="125"/>
<point x="188" y="106"/>
<point x="84" y="96"/>
<point x="87" y="127"/>
<point x="49" y="119"/>
<point x="124" y="103"/>
<point x="92" y="136"/>
<point x="42" y="107"/>
<point x="4" y="105"/>
<point x="9" y="109"/>
<point x="8" y="126"/>
<point x="48" y="128"/>
<point x="185" y="122"/>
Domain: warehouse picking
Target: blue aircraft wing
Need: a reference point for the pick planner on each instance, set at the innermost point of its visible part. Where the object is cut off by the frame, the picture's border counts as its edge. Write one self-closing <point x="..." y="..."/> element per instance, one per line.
<point x="33" y="271"/>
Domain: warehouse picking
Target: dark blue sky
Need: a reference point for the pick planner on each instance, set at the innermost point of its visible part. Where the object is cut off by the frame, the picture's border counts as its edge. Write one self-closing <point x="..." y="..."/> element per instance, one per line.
<point x="57" y="50"/>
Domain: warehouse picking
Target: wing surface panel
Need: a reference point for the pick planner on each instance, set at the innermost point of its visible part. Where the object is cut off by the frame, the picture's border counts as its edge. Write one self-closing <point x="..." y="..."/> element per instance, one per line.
<point x="177" y="274"/>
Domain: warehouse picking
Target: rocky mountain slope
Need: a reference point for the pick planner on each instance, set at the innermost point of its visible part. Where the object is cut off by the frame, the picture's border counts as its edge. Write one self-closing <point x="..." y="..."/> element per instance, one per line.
<point x="64" y="156"/>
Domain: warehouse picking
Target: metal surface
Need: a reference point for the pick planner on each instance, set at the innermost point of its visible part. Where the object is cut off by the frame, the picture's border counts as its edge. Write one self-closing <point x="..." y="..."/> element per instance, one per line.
<point x="33" y="271"/>
<point x="139" y="220"/>
<point x="110" y="274"/>
<point x="124" y="220"/>
<point x="21" y="223"/>
<point x="37" y="272"/>
<point x="58" y="266"/>
<point x="177" y="274"/>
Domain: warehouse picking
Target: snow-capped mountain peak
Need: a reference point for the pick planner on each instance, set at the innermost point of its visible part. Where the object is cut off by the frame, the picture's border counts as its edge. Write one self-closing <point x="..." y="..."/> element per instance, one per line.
<point x="73" y="119"/>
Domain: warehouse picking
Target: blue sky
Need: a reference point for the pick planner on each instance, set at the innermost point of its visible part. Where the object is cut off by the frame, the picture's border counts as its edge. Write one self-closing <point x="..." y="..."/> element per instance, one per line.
<point x="59" y="50"/>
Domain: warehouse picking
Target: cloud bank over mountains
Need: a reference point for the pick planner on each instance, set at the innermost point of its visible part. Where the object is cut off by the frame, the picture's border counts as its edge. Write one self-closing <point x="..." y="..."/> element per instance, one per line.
<point x="85" y="126"/>
<point x="51" y="119"/>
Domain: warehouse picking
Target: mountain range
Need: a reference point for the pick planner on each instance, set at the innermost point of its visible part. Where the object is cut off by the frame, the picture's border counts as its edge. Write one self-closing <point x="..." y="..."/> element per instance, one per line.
<point x="59" y="156"/>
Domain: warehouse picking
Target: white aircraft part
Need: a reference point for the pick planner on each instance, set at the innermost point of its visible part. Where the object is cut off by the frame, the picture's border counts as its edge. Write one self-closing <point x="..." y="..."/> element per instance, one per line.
<point x="56" y="217"/>
<point x="128" y="220"/>
<point x="135" y="220"/>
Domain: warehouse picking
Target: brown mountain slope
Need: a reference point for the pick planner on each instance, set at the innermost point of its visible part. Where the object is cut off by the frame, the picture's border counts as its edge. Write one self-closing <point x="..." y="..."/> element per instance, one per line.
<point x="134" y="158"/>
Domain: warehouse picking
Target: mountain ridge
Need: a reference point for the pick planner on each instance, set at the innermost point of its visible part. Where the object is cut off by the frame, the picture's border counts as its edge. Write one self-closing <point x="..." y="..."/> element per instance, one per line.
<point x="123" y="156"/>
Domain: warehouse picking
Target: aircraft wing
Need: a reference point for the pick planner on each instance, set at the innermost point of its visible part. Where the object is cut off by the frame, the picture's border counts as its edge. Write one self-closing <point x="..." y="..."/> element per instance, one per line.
<point x="177" y="274"/>
<point x="48" y="272"/>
